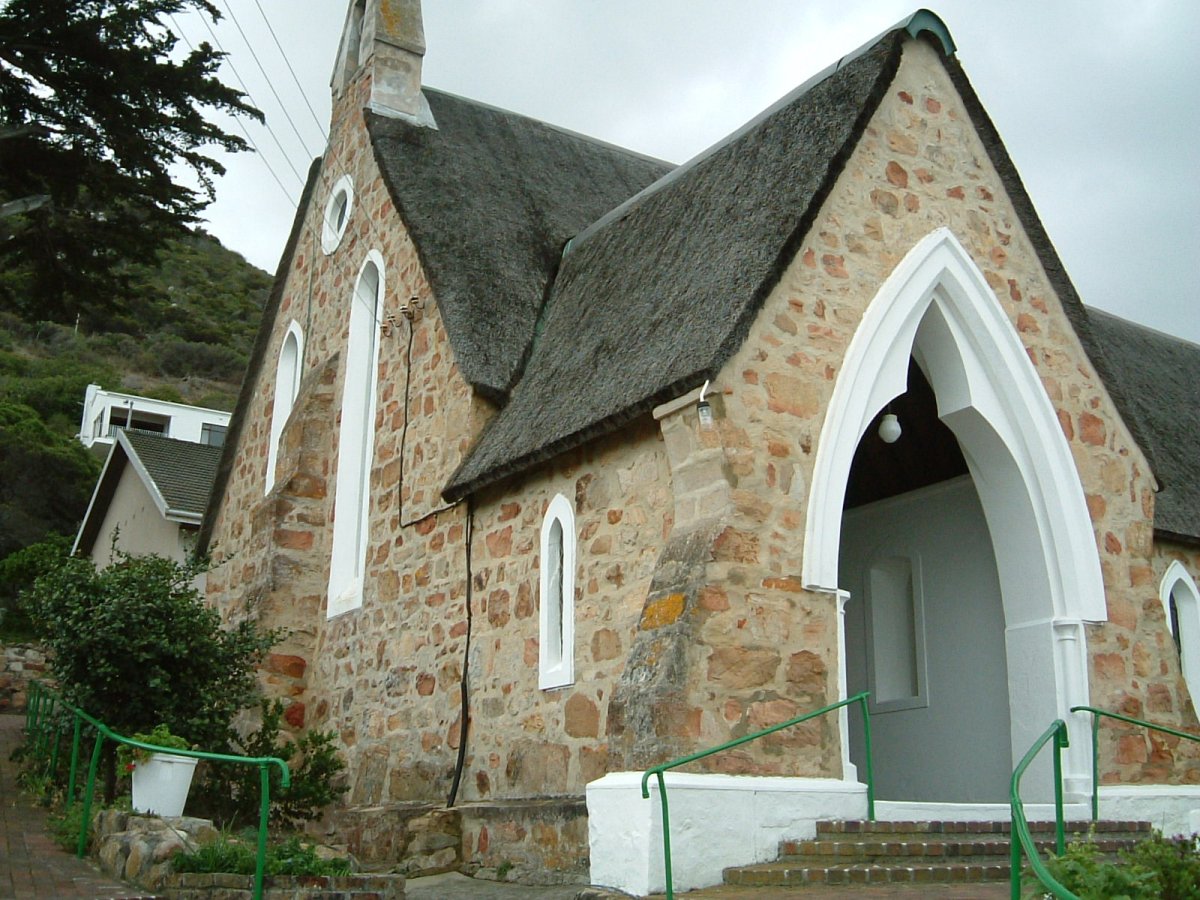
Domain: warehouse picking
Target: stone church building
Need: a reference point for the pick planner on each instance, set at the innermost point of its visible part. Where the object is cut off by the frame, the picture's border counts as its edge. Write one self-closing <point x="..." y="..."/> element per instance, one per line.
<point x="558" y="462"/>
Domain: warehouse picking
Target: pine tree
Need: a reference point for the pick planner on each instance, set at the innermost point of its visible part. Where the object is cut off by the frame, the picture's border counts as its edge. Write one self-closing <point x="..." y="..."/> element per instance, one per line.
<point x="97" y="104"/>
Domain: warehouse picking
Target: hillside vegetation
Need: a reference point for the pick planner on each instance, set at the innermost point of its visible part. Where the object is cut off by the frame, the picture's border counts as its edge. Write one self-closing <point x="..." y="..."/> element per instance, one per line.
<point x="185" y="337"/>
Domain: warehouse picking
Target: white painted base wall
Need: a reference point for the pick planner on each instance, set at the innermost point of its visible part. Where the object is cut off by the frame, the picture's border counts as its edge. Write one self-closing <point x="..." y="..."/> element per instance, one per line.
<point x="716" y="821"/>
<point x="1173" y="809"/>
<point x="719" y="821"/>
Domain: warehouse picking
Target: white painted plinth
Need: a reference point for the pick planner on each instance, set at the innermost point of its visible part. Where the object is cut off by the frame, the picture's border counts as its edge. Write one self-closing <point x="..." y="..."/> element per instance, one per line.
<point x="716" y="821"/>
<point x="1173" y="809"/>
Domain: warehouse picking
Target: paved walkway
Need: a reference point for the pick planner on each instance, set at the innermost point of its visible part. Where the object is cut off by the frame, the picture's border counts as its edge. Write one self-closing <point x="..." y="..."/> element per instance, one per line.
<point x="33" y="866"/>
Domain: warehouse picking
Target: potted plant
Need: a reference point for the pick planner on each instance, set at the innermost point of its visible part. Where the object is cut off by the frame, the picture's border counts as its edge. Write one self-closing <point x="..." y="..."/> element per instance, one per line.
<point x="160" y="780"/>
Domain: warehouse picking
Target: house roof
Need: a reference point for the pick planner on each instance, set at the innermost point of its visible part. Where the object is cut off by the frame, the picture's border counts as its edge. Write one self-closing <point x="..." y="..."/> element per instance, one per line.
<point x="656" y="298"/>
<point x="1154" y="379"/>
<point x="178" y="475"/>
<point x="490" y="198"/>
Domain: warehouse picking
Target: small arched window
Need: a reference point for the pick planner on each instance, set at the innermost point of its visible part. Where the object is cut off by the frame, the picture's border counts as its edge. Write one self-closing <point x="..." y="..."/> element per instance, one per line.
<point x="556" y="613"/>
<point x="356" y="441"/>
<point x="1181" y="601"/>
<point x="287" y="386"/>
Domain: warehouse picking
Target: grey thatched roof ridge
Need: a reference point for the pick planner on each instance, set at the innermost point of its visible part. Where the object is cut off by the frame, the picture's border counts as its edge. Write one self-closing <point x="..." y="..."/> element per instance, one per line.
<point x="258" y="354"/>
<point x="656" y="300"/>
<point x="490" y="198"/>
<point x="1155" y="381"/>
<point x="181" y="472"/>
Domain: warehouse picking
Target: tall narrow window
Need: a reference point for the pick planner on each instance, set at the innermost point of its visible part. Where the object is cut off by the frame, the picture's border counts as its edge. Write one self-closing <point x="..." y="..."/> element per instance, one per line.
<point x="1181" y="601"/>
<point x="287" y="386"/>
<point x="556" y="615"/>
<point x="356" y="440"/>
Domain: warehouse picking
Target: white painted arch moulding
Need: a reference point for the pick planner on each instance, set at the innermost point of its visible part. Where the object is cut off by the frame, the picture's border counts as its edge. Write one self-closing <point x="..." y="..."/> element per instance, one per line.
<point x="994" y="392"/>
<point x="356" y="439"/>
<point x="1178" y="581"/>
<point x="288" y="372"/>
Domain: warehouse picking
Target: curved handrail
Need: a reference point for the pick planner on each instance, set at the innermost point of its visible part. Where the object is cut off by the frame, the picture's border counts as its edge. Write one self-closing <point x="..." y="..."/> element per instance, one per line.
<point x="1097" y="714"/>
<point x="658" y="771"/>
<point x="1020" y="839"/>
<point x="42" y="702"/>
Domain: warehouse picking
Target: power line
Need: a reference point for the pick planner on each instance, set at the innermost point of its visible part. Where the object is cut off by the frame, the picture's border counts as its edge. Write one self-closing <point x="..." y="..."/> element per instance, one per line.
<point x="267" y="125"/>
<point x="270" y="83"/>
<point x="242" y="125"/>
<point x="304" y="96"/>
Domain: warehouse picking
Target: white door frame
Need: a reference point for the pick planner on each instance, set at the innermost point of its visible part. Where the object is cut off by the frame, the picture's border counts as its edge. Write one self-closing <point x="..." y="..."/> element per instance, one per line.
<point x="937" y="308"/>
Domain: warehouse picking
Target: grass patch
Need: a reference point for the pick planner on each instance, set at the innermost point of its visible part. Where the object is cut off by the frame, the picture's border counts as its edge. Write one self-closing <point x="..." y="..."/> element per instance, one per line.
<point x="237" y="857"/>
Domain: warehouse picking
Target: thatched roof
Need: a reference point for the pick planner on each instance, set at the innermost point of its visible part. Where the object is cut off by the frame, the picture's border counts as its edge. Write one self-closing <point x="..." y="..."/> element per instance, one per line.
<point x="655" y="298"/>
<point x="490" y="198"/>
<point x="1155" y="381"/>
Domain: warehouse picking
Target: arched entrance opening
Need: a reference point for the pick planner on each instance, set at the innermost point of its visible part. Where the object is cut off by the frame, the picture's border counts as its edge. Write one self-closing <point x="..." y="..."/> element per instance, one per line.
<point x="936" y="314"/>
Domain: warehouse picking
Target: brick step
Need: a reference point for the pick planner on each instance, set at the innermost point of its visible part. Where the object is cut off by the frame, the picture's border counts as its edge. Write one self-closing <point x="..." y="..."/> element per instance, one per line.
<point x="860" y="827"/>
<point x="860" y="852"/>
<point x="784" y="874"/>
<point x="822" y="850"/>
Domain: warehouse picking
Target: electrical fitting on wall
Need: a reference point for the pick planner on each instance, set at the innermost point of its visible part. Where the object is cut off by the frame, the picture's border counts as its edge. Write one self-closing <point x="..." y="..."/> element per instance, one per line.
<point x="704" y="409"/>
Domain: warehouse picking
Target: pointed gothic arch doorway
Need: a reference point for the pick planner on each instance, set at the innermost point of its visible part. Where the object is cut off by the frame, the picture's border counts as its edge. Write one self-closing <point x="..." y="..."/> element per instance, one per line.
<point x="937" y="312"/>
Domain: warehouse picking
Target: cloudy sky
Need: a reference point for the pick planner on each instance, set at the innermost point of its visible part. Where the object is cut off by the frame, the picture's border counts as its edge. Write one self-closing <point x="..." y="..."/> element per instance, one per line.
<point x="1096" y="101"/>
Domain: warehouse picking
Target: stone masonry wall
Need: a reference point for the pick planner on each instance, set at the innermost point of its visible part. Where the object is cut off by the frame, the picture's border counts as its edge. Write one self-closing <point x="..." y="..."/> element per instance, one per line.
<point x="920" y="165"/>
<point x="692" y="624"/>
<point x="19" y="664"/>
<point x="386" y="677"/>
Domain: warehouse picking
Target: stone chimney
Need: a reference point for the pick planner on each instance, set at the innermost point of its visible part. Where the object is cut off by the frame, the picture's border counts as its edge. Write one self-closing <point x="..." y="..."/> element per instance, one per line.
<point x="384" y="41"/>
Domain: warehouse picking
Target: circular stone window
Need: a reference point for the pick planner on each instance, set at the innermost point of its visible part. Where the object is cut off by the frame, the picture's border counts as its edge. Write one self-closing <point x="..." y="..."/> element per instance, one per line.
<point x="337" y="214"/>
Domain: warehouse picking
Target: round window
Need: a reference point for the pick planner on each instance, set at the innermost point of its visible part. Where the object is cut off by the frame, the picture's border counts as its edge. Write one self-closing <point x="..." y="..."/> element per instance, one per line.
<point x="337" y="213"/>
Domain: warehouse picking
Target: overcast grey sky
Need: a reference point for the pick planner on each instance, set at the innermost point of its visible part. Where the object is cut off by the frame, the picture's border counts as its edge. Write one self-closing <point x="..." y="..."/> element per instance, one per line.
<point x="1096" y="101"/>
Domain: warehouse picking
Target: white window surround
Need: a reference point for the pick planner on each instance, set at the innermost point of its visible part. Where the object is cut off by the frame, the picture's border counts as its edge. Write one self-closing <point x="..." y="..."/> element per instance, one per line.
<point x="356" y="441"/>
<point x="1177" y="582"/>
<point x="937" y="307"/>
<point x="338" y="209"/>
<point x="287" y="386"/>
<point x="556" y="593"/>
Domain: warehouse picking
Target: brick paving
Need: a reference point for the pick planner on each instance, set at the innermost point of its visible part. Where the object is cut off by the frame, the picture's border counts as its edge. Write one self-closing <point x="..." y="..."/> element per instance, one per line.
<point x="31" y="864"/>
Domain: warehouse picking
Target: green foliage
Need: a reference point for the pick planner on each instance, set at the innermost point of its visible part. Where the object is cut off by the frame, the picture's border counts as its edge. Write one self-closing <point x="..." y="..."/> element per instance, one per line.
<point x="18" y="572"/>
<point x="129" y="756"/>
<point x="231" y="794"/>
<point x="291" y="857"/>
<point x="64" y="824"/>
<point x="51" y="491"/>
<point x="97" y="106"/>
<point x="1176" y="862"/>
<point x="1157" y="868"/>
<point x="135" y="646"/>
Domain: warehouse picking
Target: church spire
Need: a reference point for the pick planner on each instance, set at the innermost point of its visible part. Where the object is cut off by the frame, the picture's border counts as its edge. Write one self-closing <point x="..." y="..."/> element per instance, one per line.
<point x="385" y="40"/>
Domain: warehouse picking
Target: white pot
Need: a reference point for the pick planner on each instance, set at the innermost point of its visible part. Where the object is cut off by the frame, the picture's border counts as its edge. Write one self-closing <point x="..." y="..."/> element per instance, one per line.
<point x="161" y="783"/>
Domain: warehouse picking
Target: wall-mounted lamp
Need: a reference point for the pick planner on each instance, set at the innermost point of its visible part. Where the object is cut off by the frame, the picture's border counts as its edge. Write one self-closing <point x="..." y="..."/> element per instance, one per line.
<point x="889" y="429"/>
<point x="704" y="409"/>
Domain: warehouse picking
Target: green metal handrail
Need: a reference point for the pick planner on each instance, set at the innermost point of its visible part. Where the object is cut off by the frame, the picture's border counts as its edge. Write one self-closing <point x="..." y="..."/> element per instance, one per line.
<point x="658" y="771"/>
<point x="1097" y="714"/>
<point x="42" y="703"/>
<point x="1019" y="838"/>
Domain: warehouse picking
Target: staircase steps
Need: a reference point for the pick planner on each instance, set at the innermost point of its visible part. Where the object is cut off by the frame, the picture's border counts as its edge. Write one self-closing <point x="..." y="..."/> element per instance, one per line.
<point x="859" y="852"/>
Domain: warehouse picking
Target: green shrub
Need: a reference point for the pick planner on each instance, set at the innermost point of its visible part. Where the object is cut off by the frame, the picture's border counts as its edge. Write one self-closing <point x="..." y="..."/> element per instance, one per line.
<point x="230" y="794"/>
<point x="161" y="736"/>
<point x="1157" y="868"/>
<point x="135" y="646"/>
<point x="1175" y="860"/>
<point x="227" y="855"/>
